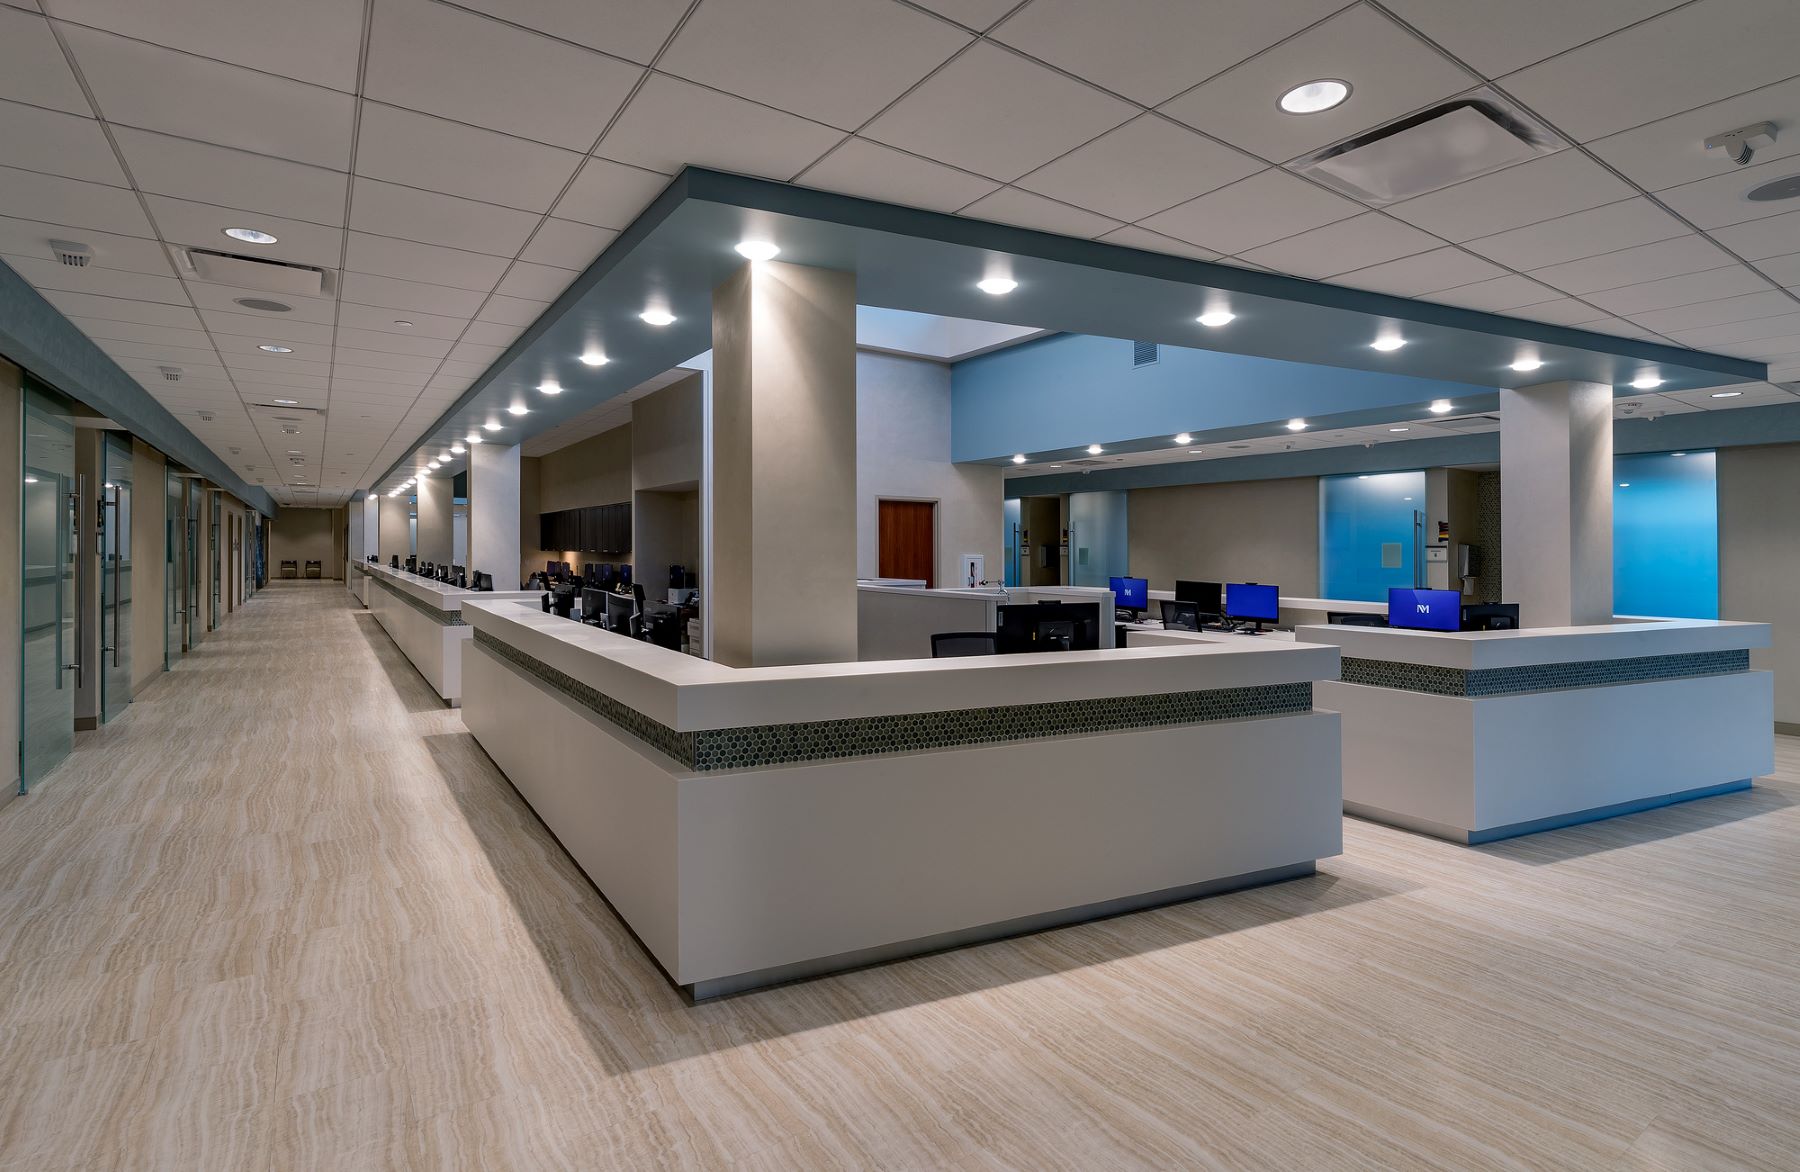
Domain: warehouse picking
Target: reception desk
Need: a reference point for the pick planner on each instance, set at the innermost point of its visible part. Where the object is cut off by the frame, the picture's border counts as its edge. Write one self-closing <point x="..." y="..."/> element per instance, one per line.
<point x="765" y="824"/>
<point x="356" y="580"/>
<point x="424" y="619"/>
<point x="1480" y="735"/>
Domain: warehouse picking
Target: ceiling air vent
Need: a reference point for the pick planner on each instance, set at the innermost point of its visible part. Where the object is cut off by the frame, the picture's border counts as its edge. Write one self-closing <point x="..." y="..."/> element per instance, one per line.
<point x="71" y="252"/>
<point x="170" y="373"/>
<point x="1448" y="143"/>
<point x="1145" y="354"/>
<point x="245" y="272"/>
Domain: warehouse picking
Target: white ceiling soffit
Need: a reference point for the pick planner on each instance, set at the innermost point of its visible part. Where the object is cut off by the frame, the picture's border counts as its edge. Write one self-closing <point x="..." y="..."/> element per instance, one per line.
<point x="450" y="215"/>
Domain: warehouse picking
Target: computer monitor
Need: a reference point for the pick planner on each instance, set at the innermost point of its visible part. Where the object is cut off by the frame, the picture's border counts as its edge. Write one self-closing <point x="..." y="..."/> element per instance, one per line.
<point x="1130" y="593"/>
<point x="394" y="562"/>
<point x="1036" y="626"/>
<point x="1180" y="616"/>
<point x="412" y="564"/>
<point x="1424" y="610"/>
<point x="1208" y="597"/>
<point x="623" y="569"/>
<point x="1252" y="602"/>
<point x="1490" y="616"/>
<point x="593" y="604"/>
<point x="483" y="581"/>
<point x="619" y="610"/>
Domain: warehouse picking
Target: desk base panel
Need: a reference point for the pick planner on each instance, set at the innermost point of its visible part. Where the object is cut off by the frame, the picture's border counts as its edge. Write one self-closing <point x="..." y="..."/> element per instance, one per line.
<point x="1497" y="833"/>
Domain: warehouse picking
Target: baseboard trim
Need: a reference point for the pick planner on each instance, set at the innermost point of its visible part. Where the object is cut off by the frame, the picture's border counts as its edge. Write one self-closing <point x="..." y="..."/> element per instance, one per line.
<point x="1464" y="837"/>
<point x="1787" y="729"/>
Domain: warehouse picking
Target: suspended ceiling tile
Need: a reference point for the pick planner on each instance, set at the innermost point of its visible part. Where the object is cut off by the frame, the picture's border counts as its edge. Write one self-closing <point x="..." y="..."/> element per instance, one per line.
<point x="71" y="203"/>
<point x="1009" y="205"/>
<point x="429" y="217"/>
<point x="423" y="325"/>
<point x="403" y="296"/>
<point x="196" y="171"/>
<point x="1527" y="193"/>
<point x="1499" y="38"/>
<point x="349" y="340"/>
<point x="31" y="238"/>
<point x="997" y="114"/>
<point x="317" y="41"/>
<point x="566" y="244"/>
<point x="512" y="311"/>
<point x="1349" y="244"/>
<point x="1497" y="294"/>
<point x="1145" y="166"/>
<point x="58" y="143"/>
<point x="1708" y="337"/>
<point x="543" y="282"/>
<point x="32" y="66"/>
<point x="1259" y="210"/>
<point x="1687" y="289"/>
<point x="1758" y="239"/>
<point x="274" y="329"/>
<point x="384" y="256"/>
<point x="1670" y="151"/>
<point x="860" y="54"/>
<point x="136" y="84"/>
<point x="1645" y="262"/>
<point x="400" y="146"/>
<point x="671" y="123"/>
<point x="1132" y="236"/>
<point x="202" y="225"/>
<point x="124" y="310"/>
<point x="424" y="56"/>
<point x="90" y="278"/>
<point x="1582" y="234"/>
<point x="1428" y="272"/>
<point x="869" y="169"/>
<point x="1712" y="313"/>
<point x="633" y="29"/>
<point x="1151" y="50"/>
<point x="1390" y="73"/>
<point x="1724" y="199"/>
<point x="103" y="329"/>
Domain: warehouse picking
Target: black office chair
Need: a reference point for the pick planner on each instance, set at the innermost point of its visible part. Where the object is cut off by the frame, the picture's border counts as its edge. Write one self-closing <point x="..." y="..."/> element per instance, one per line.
<point x="955" y="644"/>
<point x="545" y="603"/>
<point x="1339" y="618"/>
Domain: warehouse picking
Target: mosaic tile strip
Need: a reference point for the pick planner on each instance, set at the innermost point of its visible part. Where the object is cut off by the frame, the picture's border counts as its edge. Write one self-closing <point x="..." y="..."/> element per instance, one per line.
<point x="446" y="618"/>
<point x="782" y="744"/>
<point x="1540" y="677"/>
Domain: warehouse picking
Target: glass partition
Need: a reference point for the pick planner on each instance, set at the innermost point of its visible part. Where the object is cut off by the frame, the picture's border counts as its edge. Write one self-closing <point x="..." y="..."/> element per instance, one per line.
<point x="1666" y="535"/>
<point x="115" y="575"/>
<point x="175" y="602"/>
<point x="50" y="643"/>
<point x="1371" y="534"/>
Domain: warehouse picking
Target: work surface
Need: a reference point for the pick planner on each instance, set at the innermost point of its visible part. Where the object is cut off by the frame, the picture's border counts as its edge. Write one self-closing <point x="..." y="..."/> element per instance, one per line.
<point x="285" y="914"/>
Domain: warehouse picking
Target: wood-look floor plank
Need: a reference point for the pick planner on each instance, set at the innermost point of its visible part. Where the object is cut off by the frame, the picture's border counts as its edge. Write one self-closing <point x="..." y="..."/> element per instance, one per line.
<point x="285" y="914"/>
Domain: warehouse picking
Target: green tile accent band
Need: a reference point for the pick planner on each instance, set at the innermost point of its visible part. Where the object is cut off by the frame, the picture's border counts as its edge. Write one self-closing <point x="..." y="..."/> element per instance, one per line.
<point x="783" y="744"/>
<point x="444" y="618"/>
<point x="1540" y="677"/>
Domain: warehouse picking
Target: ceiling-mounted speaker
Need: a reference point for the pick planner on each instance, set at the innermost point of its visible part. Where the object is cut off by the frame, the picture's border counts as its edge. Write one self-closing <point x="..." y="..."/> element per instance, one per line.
<point x="1448" y="143"/>
<point x="246" y="272"/>
<point x="71" y="252"/>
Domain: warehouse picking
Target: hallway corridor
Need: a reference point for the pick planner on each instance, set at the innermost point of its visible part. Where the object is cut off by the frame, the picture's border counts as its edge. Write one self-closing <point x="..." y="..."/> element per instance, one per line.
<point x="285" y="914"/>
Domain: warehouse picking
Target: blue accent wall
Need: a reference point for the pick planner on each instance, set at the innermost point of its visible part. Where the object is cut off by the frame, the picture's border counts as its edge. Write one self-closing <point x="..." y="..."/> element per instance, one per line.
<point x="1071" y="390"/>
<point x="1666" y="535"/>
<point x="1364" y="520"/>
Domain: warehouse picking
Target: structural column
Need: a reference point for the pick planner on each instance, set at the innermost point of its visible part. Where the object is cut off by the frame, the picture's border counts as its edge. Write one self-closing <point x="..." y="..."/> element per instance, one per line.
<point x="393" y="531"/>
<point x="494" y="512"/>
<point x="1556" y="454"/>
<point x="783" y="481"/>
<point x="436" y="507"/>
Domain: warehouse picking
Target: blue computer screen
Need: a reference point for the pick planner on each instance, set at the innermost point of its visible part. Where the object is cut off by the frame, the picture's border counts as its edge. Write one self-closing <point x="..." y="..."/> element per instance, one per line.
<point x="1425" y="610"/>
<point x="1248" y="600"/>
<point x="1131" y="593"/>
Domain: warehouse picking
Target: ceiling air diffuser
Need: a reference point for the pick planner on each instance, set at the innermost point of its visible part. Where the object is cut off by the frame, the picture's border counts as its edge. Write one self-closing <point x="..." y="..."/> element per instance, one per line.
<point x="1430" y="150"/>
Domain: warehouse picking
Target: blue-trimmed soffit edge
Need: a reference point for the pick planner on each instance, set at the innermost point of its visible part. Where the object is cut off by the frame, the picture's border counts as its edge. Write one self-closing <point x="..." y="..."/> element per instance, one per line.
<point x="36" y="336"/>
<point x="680" y="248"/>
<point x="1690" y="431"/>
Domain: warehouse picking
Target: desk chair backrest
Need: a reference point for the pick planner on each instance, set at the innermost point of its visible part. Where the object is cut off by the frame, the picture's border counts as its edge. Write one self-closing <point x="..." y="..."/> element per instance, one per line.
<point x="955" y="644"/>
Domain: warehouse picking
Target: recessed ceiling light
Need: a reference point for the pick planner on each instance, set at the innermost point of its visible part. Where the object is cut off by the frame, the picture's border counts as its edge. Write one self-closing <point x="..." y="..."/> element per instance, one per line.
<point x="657" y="317"/>
<point x="1680" y="453"/>
<point x="285" y="402"/>
<point x="490" y="425"/>
<point x="1527" y="364"/>
<point x="1056" y="465"/>
<point x="1387" y="342"/>
<point x="274" y="349"/>
<point x="474" y="437"/>
<point x="403" y="323"/>
<point x="1397" y="429"/>
<point x="1726" y="394"/>
<point x="594" y="358"/>
<point x="757" y="250"/>
<point x="1296" y="425"/>
<point x="550" y="387"/>
<point x="31" y="480"/>
<point x="291" y="452"/>
<point x="1216" y="317"/>
<point x="1196" y="452"/>
<point x="457" y="449"/>
<point x="1184" y="438"/>
<point x="250" y="235"/>
<point x="1646" y="382"/>
<point x="518" y="409"/>
<point x="997" y="286"/>
<point x="431" y="463"/>
<point x="1019" y="459"/>
<point x="1442" y="407"/>
<point x="1315" y="96"/>
<point x="1362" y="476"/>
<point x="1624" y="484"/>
<point x="1095" y="449"/>
<point x="443" y="457"/>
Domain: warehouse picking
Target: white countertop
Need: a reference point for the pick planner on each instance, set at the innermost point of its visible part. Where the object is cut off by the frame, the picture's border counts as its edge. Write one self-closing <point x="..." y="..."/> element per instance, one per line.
<point x="1477" y="650"/>
<point x="690" y="694"/>
<point x="434" y="593"/>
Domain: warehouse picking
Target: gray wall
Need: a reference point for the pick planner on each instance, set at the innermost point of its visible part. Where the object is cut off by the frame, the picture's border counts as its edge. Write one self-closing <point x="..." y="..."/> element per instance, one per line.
<point x="903" y="453"/>
<point x="305" y="534"/>
<point x="1759" y="557"/>
<point x="1251" y="531"/>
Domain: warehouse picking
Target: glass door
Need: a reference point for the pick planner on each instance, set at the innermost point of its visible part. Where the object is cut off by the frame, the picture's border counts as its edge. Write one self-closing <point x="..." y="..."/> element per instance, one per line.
<point x="190" y="558"/>
<point x="215" y="566"/>
<point x="176" y="605"/>
<point x="115" y="576"/>
<point x="50" y="642"/>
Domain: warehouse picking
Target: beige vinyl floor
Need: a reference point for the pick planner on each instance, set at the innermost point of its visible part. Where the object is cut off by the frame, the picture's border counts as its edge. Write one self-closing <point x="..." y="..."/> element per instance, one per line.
<point x="284" y="914"/>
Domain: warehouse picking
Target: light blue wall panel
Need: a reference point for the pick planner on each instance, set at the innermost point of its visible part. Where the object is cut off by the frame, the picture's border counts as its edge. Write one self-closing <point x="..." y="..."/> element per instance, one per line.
<point x="1073" y="390"/>
<point x="1367" y="536"/>
<point x="1666" y="535"/>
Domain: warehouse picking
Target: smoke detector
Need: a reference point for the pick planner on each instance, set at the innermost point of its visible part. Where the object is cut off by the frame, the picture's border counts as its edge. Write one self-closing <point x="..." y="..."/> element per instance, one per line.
<point x="170" y="373"/>
<point x="1448" y="143"/>
<point x="72" y="252"/>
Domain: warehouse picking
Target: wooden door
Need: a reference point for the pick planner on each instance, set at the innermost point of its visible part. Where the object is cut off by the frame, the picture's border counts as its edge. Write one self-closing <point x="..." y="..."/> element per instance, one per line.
<point x="906" y="540"/>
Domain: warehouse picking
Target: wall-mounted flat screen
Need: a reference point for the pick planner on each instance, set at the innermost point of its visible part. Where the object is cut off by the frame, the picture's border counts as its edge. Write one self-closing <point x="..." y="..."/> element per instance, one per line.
<point x="1424" y="610"/>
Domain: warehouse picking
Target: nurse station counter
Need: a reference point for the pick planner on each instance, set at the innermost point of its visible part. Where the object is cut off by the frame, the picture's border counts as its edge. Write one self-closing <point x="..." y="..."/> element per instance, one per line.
<point x="424" y="618"/>
<point x="763" y="824"/>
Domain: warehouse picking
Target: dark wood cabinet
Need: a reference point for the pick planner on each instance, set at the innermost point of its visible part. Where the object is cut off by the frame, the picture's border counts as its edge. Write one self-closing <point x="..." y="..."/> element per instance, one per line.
<point x="595" y="529"/>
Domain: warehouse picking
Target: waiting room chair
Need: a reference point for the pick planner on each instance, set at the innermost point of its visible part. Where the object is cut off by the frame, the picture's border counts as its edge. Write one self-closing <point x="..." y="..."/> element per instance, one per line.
<point x="290" y="568"/>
